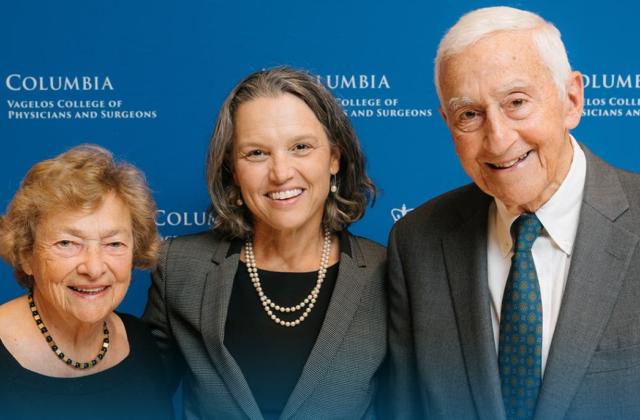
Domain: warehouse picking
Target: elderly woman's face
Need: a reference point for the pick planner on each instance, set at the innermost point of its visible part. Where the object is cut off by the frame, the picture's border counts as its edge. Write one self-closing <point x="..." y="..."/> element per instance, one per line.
<point x="82" y="261"/>
<point x="283" y="162"/>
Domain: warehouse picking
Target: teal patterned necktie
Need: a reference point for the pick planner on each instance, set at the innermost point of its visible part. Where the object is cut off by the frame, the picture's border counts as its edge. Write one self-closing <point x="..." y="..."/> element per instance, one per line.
<point x="520" y="342"/>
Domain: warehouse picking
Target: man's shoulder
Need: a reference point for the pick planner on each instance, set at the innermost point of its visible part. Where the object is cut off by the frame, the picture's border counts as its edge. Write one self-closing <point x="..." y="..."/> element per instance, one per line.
<point x="443" y="212"/>
<point x="605" y="181"/>
<point x="629" y="200"/>
<point x="595" y="162"/>
<point x="630" y="183"/>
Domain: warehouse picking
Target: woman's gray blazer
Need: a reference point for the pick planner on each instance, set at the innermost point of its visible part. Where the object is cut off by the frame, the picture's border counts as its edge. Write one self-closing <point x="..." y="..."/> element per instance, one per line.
<point x="187" y="309"/>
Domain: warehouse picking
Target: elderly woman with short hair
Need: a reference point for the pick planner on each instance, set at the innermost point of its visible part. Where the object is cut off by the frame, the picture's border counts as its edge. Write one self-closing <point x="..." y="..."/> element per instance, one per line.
<point x="279" y="312"/>
<point x="73" y="232"/>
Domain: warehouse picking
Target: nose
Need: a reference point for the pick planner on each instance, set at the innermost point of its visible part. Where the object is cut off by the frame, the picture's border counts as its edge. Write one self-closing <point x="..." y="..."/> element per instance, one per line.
<point x="281" y="168"/>
<point x="93" y="264"/>
<point x="500" y="135"/>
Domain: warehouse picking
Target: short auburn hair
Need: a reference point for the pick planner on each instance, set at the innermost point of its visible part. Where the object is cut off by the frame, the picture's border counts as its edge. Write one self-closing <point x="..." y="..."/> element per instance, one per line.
<point x="78" y="179"/>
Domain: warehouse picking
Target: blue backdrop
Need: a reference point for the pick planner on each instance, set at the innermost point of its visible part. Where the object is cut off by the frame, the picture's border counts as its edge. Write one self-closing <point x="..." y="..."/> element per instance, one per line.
<point x="146" y="79"/>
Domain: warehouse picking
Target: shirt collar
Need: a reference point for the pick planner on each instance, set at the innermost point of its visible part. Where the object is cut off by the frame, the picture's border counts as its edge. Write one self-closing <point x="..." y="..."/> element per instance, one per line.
<point x="559" y="216"/>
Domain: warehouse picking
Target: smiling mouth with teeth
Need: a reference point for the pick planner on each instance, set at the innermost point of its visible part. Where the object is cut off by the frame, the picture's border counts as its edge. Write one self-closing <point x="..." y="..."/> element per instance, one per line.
<point x="285" y="195"/>
<point x="92" y="291"/>
<point x="509" y="164"/>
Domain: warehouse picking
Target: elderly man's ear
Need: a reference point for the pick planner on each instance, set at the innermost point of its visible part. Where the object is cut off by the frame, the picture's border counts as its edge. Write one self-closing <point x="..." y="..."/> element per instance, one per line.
<point x="574" y="100"/>
<point x="442" y="114"/>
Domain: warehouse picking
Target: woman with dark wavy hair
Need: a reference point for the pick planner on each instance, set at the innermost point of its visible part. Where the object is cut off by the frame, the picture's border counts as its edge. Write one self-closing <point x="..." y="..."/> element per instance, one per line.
<point x="279" y="312"/>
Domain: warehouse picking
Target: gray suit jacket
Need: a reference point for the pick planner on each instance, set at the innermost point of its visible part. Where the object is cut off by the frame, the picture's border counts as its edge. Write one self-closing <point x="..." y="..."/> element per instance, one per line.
<point x="187" y="310"/>
<point x="443" y="362"/>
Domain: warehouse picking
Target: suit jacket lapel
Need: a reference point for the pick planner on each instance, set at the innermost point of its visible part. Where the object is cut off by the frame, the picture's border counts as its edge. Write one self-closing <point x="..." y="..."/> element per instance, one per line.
<point x="601" y="255"/>
<point x="465" y="251"/>
<point x="341" y="310"/>
<point x="215" y="305"/>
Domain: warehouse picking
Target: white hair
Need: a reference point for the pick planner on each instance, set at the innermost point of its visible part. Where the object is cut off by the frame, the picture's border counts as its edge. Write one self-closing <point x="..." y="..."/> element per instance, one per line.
<point x="481" y="23"/>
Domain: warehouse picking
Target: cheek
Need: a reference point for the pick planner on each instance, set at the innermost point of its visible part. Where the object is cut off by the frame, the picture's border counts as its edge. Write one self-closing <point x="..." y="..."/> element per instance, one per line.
<point x="51" y="272"/>
<point x="246" y="178"/>
<point x="548" y="144"/>
<point x="120" y="267"/>
<point x="467" y="154"/>
<point x="322" y="176"/>
<point x="123" y="271"/>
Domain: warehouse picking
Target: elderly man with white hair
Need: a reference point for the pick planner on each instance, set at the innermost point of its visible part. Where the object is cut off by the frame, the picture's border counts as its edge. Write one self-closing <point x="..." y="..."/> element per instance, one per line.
<point x="516" y="296"/>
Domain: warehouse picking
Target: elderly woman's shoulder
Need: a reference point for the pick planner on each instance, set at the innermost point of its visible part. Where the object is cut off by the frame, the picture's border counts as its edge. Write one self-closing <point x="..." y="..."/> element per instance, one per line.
<point x="12" y="309"/>
<point x="14" y="320"/>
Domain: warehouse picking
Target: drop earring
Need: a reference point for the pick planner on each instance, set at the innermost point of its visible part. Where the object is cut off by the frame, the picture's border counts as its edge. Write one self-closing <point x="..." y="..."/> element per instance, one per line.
<point x="334" y="186"/>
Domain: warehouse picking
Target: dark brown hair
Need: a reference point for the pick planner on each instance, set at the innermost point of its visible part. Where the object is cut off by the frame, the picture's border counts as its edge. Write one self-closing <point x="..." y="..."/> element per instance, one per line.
<point x="355" y="189"/>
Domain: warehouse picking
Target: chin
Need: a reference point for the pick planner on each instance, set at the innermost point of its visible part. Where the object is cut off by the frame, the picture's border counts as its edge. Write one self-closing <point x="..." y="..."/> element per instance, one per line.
<point x="515" y="195"/>
<point x="518" y="200"/>
<point x="287" y="228"/>
<point x="287" y="224"/>
<point x="93" y="317"/>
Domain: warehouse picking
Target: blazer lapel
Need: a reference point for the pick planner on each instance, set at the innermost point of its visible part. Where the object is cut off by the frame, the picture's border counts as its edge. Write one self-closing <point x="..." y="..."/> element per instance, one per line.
<point x="213" y="316"/>
<point x="341" y="310"/>
<point x="465" y="252"/>
<point x="601" y="255"/>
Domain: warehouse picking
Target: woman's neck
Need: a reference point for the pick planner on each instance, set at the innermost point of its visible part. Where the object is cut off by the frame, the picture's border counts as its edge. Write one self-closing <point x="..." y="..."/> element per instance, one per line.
<point x="78" y="340"/>
<point x="292" y="251"/>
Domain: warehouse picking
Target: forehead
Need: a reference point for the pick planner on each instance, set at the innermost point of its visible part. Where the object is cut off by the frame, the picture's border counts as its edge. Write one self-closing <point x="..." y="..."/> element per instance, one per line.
<point x="111" y="215"/>
<point x="277" y="115"/>
<point x="495" y="64"/>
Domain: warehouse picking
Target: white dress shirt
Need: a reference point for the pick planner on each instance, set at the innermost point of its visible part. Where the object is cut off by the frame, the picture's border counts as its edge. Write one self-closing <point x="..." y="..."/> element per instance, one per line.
<point x="551" y="251"/>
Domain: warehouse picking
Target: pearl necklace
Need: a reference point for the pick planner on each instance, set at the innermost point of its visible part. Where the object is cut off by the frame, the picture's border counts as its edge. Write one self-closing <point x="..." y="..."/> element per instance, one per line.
<point x="307" y="304"/>
<point x="54" y="347"/>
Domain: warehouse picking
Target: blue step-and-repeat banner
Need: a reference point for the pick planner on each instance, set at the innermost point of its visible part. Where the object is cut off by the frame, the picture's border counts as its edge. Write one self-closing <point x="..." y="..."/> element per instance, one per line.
<point x="146" y="79"/>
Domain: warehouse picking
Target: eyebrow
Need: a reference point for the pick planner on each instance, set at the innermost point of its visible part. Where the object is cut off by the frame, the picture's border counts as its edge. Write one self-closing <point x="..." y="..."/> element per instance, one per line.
<point x="253" y="143"/>
<point x="113" y="232"/>
<point x="108" y="234"/>
<point x="516" y="84"/>
<point x="456" y="103"/>
<point x="303" y="136"/>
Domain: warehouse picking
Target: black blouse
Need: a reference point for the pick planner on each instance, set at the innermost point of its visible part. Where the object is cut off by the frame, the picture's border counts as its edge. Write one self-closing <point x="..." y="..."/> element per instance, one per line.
<point x="272" y="356"/>
<point x="133" y="389"/>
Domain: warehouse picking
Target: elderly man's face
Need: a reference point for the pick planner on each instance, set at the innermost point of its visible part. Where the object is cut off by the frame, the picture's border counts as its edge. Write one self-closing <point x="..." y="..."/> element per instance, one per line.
<point x="508" y="120"/>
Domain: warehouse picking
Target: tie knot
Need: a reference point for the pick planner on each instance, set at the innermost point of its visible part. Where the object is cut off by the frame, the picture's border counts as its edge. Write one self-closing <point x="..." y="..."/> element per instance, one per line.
<point x="525" y="230"/>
